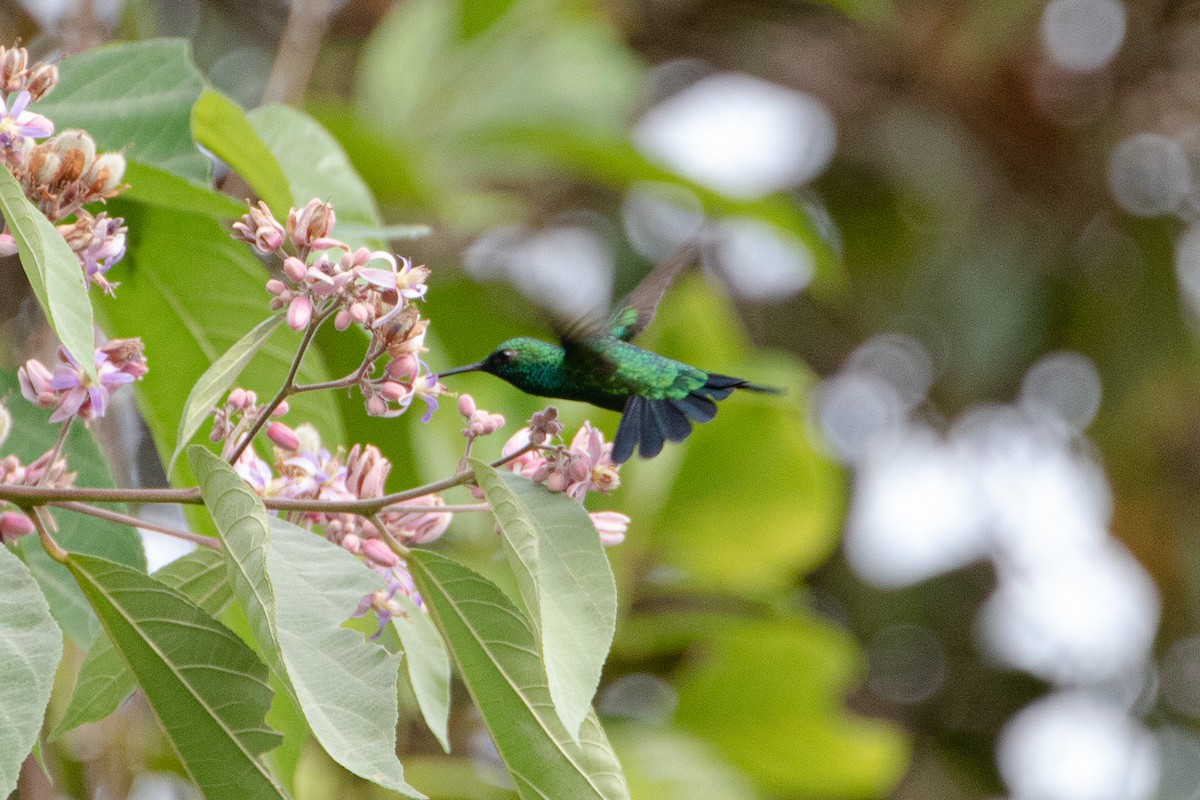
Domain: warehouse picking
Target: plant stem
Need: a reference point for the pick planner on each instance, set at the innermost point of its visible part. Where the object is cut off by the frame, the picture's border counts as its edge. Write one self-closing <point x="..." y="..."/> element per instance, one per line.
<point x="42" y="521"/>
<point x="57" y="449"/>
<point x="126" y="519"/>
<point x="30" y="496"/>
<point x="288" y="386"/>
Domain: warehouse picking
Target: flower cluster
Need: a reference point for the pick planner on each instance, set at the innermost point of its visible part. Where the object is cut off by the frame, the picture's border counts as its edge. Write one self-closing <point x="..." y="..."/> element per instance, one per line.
<point x="304" y="470"/>
<point x="585" y="466"/>
<point x="322" y="277"/>
<point x="61" y="174"/>
<point x="479" y="422"/>
<point x="70" y="391"/>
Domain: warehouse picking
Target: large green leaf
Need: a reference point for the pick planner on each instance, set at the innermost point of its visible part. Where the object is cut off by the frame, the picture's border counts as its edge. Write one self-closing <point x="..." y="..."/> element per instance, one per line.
<point x="786" y="516"/>
<point x="762" y="692"/>
<point x="190" y="291"/>
<point x="104" y="681"/>
<point x="135" y="97"/>
<point x="428" y="666"/>
<point x="317" y="166"/>
<point x="159" y="187"/>
<point x="565" y="581"/>
<point x="496" y="649"/>
<point x="32" y="436"/>
<point x="217" y="379"/>
<point x="222" y="126"/>
<point x="298" y="589"/>
<point x="205" y="685"/>
<point x="53" y="270"/>
<point x="30" y="647"/>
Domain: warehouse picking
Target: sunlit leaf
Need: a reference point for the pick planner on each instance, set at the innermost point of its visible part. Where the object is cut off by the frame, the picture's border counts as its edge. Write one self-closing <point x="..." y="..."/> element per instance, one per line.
<point x="104" y="681"/>
<point x="565" y="580"/>
<point x="30" y="647"/>
<point x="54" y="272"/>
<point x="222" y="126"/>
<point x="298" y="589"/>
<point x="788" y="734"/>
<point x="216" y="380"/>
<point x="316" y="166"/>
<point x="496" y="650"/>
<point x="206" y="687"/>
<point x="135" y="97"/>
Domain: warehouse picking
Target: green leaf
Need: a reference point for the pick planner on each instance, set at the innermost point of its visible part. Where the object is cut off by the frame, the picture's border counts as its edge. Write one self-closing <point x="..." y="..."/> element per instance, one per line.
<point x="30" y="647"/>
<point x="54" y="272"/>
<point x="668" y="765"/>
<point x="156" y="186"/>
<point x="135" y="97"/>
<point x="104" y="681"/>
<point x="207" y="688"/>
<point x="216" y="380"/>
<point x="428" y="666"/>
<point x="788" y="734"/>
<point x="298" y="589"/>
<point x="32" y="436"/>
<point x="190" y="291"/>
<point x="496" y="650"/>
<point x="317" y="166"/>
<point x="223" y="127"/>
<point x="565" y="580"/>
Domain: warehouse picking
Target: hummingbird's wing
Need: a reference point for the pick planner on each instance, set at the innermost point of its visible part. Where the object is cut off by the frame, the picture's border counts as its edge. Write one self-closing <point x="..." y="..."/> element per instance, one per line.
<point x="637" y="310"/>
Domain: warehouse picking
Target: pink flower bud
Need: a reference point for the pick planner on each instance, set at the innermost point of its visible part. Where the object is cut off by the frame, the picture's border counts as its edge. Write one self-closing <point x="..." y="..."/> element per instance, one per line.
<point x="377" y="406"/>
<point x="377" y="550"/>
<point x="352" y="543"/>
<point x="342" y="320"/>
<point x="299" y="312"/>
<point x="284" y="437"/>
<point x="495" y="422"/>
<point x="577" y="470"/>
<point x="295" y="269"/>
<point x="237" y="398"/>
<point x="281" y="409"/>
<point x="466" y="405"/>
<point x="403" y="367"/>
<point x="14" y="525"/>
<point x="556" y="482"/>
<point x="393" y="391"/>
<point x="611" y="525"/>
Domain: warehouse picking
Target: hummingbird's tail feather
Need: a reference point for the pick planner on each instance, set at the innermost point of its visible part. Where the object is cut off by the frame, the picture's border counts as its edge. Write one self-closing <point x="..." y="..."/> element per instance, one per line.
<point x="719" y="387"/>
<point x="648" y="424"/>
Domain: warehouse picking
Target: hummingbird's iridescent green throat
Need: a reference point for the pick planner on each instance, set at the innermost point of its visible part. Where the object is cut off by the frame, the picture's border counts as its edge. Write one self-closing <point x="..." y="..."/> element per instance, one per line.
<point x="658" y="397"/>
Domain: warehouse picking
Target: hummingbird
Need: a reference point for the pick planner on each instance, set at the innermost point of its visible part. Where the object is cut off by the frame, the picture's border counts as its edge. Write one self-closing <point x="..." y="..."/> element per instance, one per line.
<point x="596" y="363"/>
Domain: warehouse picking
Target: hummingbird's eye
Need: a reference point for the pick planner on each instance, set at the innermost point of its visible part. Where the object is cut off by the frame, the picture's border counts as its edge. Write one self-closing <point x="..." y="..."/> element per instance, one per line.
<point x="507" y="355"/>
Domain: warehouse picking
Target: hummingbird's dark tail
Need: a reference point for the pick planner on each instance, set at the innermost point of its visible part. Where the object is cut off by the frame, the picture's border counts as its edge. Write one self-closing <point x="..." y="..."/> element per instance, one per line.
<point x="648" y="423"/>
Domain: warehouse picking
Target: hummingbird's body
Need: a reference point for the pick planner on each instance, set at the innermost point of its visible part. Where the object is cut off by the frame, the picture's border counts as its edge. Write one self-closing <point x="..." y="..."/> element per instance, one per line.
<point x="659" y="397"/>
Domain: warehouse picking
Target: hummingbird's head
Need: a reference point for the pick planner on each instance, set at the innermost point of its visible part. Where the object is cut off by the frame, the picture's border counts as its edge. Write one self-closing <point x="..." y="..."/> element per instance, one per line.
<point x="515" y="359"/>
<point x="525" y="363"/>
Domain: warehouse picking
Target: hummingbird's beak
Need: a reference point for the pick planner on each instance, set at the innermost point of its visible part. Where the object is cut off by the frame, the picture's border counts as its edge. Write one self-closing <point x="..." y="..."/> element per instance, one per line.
<point x="468" y="368"/>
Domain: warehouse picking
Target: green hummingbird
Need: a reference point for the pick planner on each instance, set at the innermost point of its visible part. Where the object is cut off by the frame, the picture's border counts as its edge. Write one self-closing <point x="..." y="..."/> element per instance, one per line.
<point x="658" y="397"/>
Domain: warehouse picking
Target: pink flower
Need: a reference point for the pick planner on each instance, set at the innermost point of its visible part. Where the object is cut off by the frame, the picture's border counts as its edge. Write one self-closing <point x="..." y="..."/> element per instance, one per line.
<point x="16" y="123"/>
<point x="71" y="390"/>
<point x="418" y="527"/>
<point x="283" y="437"/>
<point x="611" y="525"/>
<point x="14" y="525"/>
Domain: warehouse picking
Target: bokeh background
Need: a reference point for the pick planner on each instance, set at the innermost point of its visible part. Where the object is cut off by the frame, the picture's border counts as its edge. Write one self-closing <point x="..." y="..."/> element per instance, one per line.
<point x="960" y="558"/>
